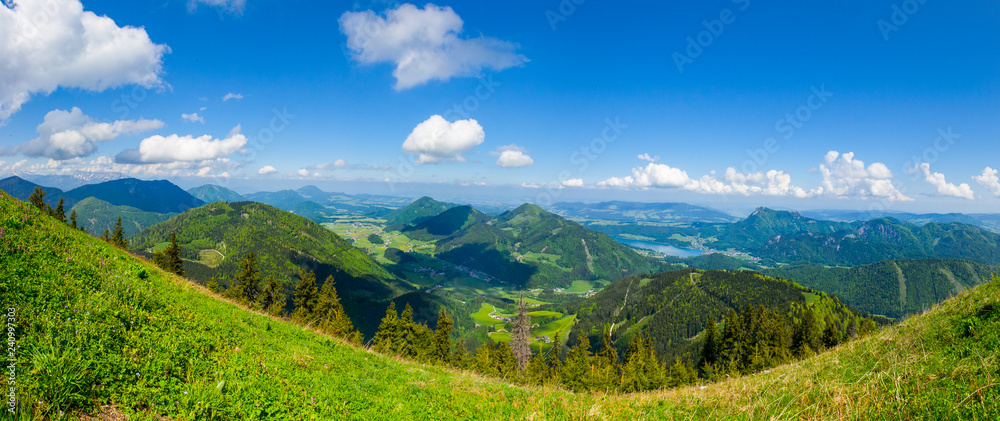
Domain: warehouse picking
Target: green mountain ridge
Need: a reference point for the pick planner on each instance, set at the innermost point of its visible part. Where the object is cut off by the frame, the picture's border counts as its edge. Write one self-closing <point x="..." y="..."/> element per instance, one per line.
<point x="96" y="215"/>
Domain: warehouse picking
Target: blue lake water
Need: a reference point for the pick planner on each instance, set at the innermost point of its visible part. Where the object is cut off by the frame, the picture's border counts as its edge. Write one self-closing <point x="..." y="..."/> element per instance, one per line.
<point x="662" y="248"/>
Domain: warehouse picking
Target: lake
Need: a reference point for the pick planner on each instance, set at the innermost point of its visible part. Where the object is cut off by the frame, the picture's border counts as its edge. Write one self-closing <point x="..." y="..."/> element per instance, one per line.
<point x="662" y="248"/>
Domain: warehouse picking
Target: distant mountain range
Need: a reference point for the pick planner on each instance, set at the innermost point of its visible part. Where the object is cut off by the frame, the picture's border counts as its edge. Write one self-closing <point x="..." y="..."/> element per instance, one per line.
<point x="159" y="196"/>
<point x="309" y="201"/>
<point x="644" y="212"/>
<point x="525" y="246"/>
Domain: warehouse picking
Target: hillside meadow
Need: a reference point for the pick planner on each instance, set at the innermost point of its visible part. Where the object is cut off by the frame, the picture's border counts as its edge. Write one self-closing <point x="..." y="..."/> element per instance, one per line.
<point x="101" y="331"/>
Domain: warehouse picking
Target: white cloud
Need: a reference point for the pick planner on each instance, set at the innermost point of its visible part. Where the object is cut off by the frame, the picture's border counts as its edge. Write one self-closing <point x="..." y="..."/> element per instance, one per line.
<point x="267" y="169"/>
<point x="437" y="140"/>
<point x="512" y="156"/>
<point x="531" y="185"/>
<point x="194" y="118"/>
<point x="47" y="44"/>
<point x="232" y="96"/>
<point x="771" y="183"/>
<point x="303" y="172"/>
<point x="573" y="182"/>
<point x="844" y="176"/>
<point x="335" y="165"/>
<point x="204" y="171"/>
<point x="945" y="188"/>
<point x="173" y="148"/>
<point x="70" y="134"/>
<point x="235" y="7"/>
<point x="989" y="180"/>
<point x="646" y="157"/>
<point x="424" y="44"/>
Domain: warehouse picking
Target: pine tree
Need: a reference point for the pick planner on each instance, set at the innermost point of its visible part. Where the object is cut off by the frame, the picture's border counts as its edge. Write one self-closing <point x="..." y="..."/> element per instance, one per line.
<point x="805" y="340"/>
<point x="60" y="211"/>
<point x="329" y="314"/>
<point x="459" y="355"/>
<point x="272" y="298"/>
<point x="506" y="362"/>
<point x="710" y="350"/>
<point x="633" y="371"/>
<point x="831" y="335"/>
<point x="482" y="361"/>
<point x="305" y="297"/>
<point x="653" y="370"/>
<point x="577" y="367"/>
<point x="553" y="360"/>
<point x="37" y="199"/>
<point x="388" y="330"/>
<point x="72" y="219"/>
<point x="172" y="256"/>
<point x="520" y="340"/>
<point x="248" y="279"/>
<point x="402" y="343"/>
<point x="442" y="337"/>
<point x="118" y="236"/>
<point x="106" y="236"/>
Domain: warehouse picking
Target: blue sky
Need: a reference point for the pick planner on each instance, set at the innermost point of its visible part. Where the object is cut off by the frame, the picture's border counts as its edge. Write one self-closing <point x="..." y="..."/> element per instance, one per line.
<point x="892" y="84"/>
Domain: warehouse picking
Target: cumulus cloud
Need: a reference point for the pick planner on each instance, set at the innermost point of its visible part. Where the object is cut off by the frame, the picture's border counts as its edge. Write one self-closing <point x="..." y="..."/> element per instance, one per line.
<point x="194" y="118"/>
<point x="424" y="44"/>
<point x="70" y="134"/>
<point x="174" y="148"/>
<point x="844" y="176"/>
<point x="232" y="96"/>
<point x="652" y="175"/>
<point x="235" y="7"/>
<point x="437" y="140"/>
<point x="770" y="183"/>
<point x="989" y="180"/>
<point x="573" y="182"/>
<point x="512" y="156"/>
<point x="339" y="164"/>
<point x="86" y="169"/>
<point x="646" y="157"/>
<point x="303" y="172"/>
<point x="48" y="44"/>
<point x="267" y="169"/>
<point x="943" y="187"/>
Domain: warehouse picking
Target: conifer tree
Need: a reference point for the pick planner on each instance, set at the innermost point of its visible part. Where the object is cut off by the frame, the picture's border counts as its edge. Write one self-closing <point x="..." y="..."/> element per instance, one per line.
<point x="106" y="236"/>
<point x="384" y="340"/>
<point x="577" y="367"/>
<point x="831" y="335"/>
<point x="118" y="236"/>
<point x="653" y="370"/>
<point x="506" y="362"/>
<point x="520" y="340"/>
<point x="459" y="355"/>
<point x="405" y="332"/>
<point x="329" y="314"/>
<point x="633" y="371"/>
<point x="72" y="219"/>
<point x="37" y="199"/>
<point x="538" y="369"/>
<point x="305" y="297"/>
<point x="172" y="256"/>
<point x="805" y="340"/>
<point x="605" y="370"/>
<point x="248" y="279"/>
<point x="710" y="349"/>
<point x="442" y="337"/>
<point x="553" y="361"/>
<point x="482" y="361"/>
<point x="272" y="298"/>
<point x="60" y="211"/>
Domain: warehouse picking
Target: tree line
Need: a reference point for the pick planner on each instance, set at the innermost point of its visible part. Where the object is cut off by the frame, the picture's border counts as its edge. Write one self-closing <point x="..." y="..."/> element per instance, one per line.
<point x="37" y="198"/>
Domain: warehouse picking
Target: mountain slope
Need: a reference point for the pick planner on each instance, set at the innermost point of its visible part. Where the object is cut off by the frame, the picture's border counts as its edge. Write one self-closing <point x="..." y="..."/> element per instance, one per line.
<point x="159" y="196"/>
<point x="284" y="243"/>
<point x="96" y="215"/>
<point x="446" y="223"/>
<point x="674" y="307"/>
<point x="212" y="193"/>
<point x="186" y="354"/>
<point x="893" y="288"/>
<point x="529" y="246"/>
<point x="636" y="211"/>
<point x="22" y="190"/>
<point x="416" y="212"/>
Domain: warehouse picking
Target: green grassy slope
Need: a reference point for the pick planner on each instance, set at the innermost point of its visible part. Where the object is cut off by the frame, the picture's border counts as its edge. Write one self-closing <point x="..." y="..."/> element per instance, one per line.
<point x="156" y="345"/>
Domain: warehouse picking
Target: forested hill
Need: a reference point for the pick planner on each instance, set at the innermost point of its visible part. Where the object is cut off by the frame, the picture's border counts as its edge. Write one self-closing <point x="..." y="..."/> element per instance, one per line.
<point x="22" y="190"/>
<point x="283" y="242"/>
<point x="673" y="308"/>
<point x="95" y="215"/>
<point x="532" y="247"/>
<point x="209" y="193"/>
<point x="414" y="213"/>
<point x="159" y="196"/>
<point x="892" y="288"/>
